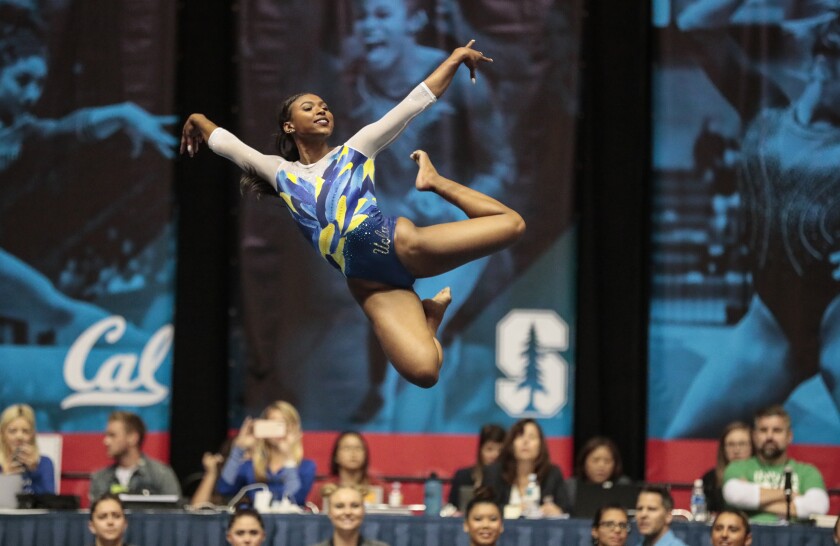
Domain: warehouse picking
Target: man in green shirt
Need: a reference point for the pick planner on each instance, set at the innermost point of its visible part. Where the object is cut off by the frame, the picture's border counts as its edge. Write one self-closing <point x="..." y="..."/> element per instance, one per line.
<point x="758" y="485"/>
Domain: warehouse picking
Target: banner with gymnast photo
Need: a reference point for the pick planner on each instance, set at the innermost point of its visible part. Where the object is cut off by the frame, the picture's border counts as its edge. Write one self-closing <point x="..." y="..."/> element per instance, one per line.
<point x="745" y="223"/>
<point x="86" y="236"/>
<point x="508" y="336"/>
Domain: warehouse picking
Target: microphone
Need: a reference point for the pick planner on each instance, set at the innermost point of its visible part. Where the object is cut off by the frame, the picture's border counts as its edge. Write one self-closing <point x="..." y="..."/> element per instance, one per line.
<point x="788" y="487"/>
<point x="788" y="490"/>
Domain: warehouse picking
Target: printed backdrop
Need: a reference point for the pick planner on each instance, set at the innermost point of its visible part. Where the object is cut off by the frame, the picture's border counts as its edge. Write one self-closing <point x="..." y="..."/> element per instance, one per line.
<point x="86" y="241"/>
<point x="509" y="334"/>
<point x="744" y="308"/>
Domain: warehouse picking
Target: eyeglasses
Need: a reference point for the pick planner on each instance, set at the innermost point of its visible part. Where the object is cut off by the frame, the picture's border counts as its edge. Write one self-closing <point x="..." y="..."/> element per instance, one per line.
<point x="610" y="525"/>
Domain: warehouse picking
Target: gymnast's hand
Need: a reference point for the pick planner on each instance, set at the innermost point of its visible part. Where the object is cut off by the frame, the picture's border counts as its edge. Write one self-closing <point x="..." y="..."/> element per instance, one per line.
<point x="197" y="129"/>
<point x="470" y="57"/>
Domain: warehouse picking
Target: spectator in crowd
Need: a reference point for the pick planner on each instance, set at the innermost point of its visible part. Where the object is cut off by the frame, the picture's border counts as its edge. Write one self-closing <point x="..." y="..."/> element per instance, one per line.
<point x="349" y="466"/>
<point x="731" y="528"/>
<point x="525" y="452"/>
<point x="347" y="512"/>
<point x="108" y="523"/>
<point x="276" y="458"/>
<point x="757" y="485"/>
<point x="653" y="517"/>
<point x="245" y="528"/>
<point x="610" y="526"/>
<point x="19" y="452"/>
<point x="132" y="472"/>
<point x="599" y="463"/>
<point x="735" y="445"/>
<point x="483" y="519"/>
<point x="491" y="438"/>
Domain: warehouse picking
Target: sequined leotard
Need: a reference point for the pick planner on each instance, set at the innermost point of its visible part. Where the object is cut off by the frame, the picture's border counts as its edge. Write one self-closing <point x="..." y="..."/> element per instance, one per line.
<point x="333" y="201"/>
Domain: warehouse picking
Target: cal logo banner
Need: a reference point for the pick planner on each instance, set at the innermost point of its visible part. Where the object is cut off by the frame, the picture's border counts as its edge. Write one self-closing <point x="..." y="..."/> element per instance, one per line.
<point x="508" y="335"/>
<point x="746" y="256"/>
<point x="86" y="241"/>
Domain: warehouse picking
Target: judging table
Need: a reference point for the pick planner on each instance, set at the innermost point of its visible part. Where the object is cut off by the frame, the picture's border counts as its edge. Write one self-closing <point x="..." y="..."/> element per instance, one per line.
<point x="43" y="528"/>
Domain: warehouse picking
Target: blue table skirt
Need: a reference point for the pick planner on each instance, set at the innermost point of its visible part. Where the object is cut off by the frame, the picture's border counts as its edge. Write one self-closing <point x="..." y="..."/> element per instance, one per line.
<point x="208" y="529"/>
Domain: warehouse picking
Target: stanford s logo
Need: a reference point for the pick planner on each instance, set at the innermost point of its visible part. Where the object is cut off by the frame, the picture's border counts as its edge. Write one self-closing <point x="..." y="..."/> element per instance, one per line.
<point x="529" y="347"/>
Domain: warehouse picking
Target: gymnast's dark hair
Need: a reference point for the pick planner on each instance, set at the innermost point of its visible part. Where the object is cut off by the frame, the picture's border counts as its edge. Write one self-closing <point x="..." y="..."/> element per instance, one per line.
<point x="250" y="183"/>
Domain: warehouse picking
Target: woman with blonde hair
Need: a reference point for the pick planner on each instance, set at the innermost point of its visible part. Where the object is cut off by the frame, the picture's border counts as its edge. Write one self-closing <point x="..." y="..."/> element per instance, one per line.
<point x="275" y="444"/>
<point x="347" y="513"/>
<point x="19" y="452"/>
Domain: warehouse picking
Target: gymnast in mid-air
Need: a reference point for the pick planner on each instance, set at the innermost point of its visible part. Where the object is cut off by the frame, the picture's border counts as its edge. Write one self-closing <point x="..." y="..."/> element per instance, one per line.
<point x="330" y="193"/>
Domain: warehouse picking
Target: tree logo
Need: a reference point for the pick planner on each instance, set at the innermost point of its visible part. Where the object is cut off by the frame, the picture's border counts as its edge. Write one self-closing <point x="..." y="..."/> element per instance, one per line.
<point x="529" y="352"/>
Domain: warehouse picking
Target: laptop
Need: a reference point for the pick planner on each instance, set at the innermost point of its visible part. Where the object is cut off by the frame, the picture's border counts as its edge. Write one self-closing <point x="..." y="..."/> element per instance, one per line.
<point x="48" y="501"/>
<point x="150" y="502"/>
<point x="591" y="497"/>
<point x="10" y="486"/>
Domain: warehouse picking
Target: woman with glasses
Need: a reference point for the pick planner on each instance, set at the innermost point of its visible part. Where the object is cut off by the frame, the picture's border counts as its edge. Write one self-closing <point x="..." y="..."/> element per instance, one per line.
<point x="735" y="444"/>
<point x="349" y="467"/>
<point x="610" y="526"/>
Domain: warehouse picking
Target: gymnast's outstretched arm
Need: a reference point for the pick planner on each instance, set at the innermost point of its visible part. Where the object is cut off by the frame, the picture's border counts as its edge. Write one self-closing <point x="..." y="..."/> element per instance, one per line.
<point x="371" y="139"/>
<point x="198" y="129"/>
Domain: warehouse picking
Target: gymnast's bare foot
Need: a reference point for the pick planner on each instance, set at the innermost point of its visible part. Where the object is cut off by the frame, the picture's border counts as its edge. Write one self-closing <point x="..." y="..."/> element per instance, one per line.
<point x="435" y="307"/>
<point x="427" y="175"/>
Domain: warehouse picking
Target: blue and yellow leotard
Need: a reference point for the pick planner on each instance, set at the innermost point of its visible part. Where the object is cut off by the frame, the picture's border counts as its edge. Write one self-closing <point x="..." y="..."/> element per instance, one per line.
<point x="333" y="201"/>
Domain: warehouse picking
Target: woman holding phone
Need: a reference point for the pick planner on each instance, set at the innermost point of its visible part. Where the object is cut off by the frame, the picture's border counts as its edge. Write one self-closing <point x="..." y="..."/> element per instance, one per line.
<point x="275" y="443"/>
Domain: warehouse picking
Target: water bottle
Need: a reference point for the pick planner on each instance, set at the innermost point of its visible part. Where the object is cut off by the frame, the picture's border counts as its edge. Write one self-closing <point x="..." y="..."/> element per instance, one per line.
<point x="433" y="495"/>
<point x="395" y="497"/>
<point x="531" y="500"/>
<point x="699" y="509"/>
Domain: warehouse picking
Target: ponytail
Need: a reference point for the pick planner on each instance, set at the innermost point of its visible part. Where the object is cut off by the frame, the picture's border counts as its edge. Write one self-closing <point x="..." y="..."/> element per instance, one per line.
<point x="250" y="183"/>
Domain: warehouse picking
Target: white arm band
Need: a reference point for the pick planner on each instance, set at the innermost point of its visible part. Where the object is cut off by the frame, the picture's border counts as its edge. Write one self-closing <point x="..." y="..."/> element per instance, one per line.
<point x="225" y="144"/>
<point x="379" y="134"/>
<point x="814" y="501"/>
<point x="743" y="494"/>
